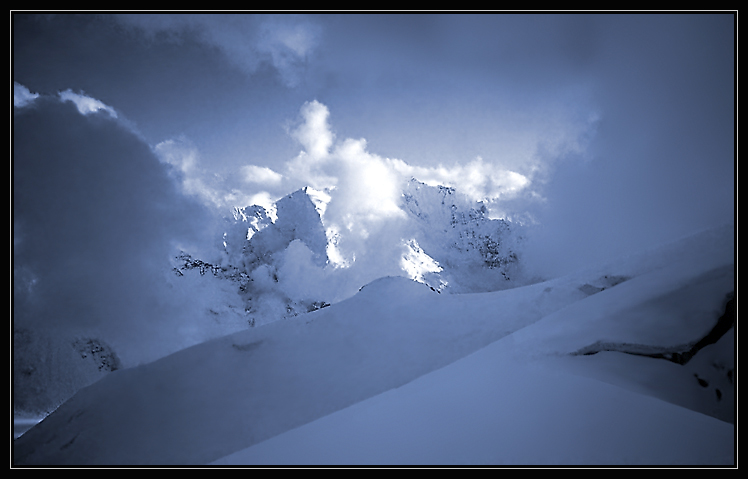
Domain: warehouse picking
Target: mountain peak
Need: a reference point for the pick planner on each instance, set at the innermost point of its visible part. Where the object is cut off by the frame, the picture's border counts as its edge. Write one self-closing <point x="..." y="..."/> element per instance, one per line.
<point x="446" y="241"/>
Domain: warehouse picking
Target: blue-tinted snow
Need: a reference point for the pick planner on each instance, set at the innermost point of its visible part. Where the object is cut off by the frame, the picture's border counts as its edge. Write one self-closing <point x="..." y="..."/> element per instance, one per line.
<point x="399" y="375"/>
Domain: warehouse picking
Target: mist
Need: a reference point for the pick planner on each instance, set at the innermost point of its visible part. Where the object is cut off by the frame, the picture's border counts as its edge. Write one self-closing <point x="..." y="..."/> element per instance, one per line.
<point x="661" y="163"/>
<point x="96" y="219"/>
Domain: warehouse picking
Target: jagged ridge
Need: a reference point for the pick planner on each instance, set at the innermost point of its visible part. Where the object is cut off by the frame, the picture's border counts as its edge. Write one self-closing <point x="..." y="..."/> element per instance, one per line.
<point x="449" y="243"/>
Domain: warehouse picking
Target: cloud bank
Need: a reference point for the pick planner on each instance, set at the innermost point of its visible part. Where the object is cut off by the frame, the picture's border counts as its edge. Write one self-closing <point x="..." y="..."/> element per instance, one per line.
<point x="96" y="219"/>
<point x="366" y="188"/>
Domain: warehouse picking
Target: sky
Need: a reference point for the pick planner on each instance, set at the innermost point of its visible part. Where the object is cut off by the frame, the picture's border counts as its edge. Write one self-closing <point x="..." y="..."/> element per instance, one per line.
<point x="605" y="134"/>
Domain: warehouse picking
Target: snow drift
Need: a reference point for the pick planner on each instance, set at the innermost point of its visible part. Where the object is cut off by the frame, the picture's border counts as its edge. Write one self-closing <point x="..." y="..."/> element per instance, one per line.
<point x="399" y="374"/>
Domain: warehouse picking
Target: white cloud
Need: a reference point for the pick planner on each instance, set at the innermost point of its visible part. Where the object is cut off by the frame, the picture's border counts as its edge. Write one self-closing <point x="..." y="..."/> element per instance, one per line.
<point x="366" y="188"/>
<point x="183" y="156"/>
<point x="314" y="132"/>
<point x="266" y="200"/>
<point x="212" y="189"/>
<point x="348" y="166"/>
<point x="313" y="165"/>
<point x="178" y="153"/>
<point x="85" y="104"/>
<point x="22" y="96"/>
<point x="478" y="179"/>
<point x="260" y="174"/>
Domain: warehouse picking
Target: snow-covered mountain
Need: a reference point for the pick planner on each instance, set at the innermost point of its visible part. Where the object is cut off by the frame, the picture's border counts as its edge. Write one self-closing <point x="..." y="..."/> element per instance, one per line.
<point x="280" y="262"/>
<point x="446" y="242"/>
<point x="608" y="365"/>
<point x="470" y="252"/>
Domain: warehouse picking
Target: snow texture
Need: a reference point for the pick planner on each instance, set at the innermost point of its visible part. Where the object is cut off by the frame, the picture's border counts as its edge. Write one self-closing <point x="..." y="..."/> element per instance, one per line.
<point x="398" y="374"/>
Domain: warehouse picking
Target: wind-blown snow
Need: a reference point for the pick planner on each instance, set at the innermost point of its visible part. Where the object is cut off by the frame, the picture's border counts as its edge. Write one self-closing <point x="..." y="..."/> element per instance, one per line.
<point x="399" y="374"/>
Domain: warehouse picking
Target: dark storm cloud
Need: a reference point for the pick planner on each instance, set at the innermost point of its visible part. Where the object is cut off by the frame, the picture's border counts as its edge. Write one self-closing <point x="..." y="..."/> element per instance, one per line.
<point x="171" y="83"/>
<point x="95" y="220"/>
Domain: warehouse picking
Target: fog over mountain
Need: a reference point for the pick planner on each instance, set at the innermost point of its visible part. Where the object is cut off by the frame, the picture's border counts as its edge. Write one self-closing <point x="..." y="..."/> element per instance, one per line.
<point x="286" y="227"/>
<point x="265" y="264"/>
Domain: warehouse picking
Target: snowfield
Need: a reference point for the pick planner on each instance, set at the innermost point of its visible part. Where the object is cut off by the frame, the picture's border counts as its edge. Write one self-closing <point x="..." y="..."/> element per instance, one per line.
<point x="399" y="374"/>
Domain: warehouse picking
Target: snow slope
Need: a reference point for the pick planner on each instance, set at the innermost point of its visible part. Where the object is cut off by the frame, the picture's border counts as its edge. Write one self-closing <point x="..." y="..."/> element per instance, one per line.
<point x="398" y="374"/>
<point x="493" y="408"/>
<point x="275" y="263"/>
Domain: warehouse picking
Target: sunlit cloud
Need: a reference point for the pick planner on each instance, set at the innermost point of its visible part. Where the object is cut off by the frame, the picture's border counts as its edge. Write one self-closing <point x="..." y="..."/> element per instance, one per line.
<point x="477" y="179"/>
<point x="364" y="187"/>
<point x="212" y="189"/>
<point x="22" y="96"/>
<point x="367" y="187"/>
<point x="86" y="104"/>
<point x="260" y="174"/>
<point x="264" y="199"/>
<point x="313" y="132"/>
<point x="184" y="158"/>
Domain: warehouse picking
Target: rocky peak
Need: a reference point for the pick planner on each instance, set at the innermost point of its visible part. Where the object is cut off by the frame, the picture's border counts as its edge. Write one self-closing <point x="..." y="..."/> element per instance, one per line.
<point x="253" y="238"/>
<point x="458" y="236"/>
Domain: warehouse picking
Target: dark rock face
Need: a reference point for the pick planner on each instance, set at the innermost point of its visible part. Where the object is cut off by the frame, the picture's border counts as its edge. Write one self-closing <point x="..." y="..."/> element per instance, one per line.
<point x="99" y="352"/>
<point x="185" y="262"/>
<point x="475" y="252"/>
<point x="724" y="323"/>
<point x="603" y="283"/>
<point x="49" y="368"/>
<point x="704" y="370"/>
<point x="683" y="355"/>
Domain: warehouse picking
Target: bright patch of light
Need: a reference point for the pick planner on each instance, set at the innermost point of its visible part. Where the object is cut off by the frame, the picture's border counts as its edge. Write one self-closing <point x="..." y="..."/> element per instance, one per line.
<point x="416" y="263"/>
<point x="260" y="174"/>
<point x="319" y="198"/>
<point x="478" y="179"/>
<point x="314" y="133"/>
<point x="334" y="255"/>
<point x="264" y="199"/>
